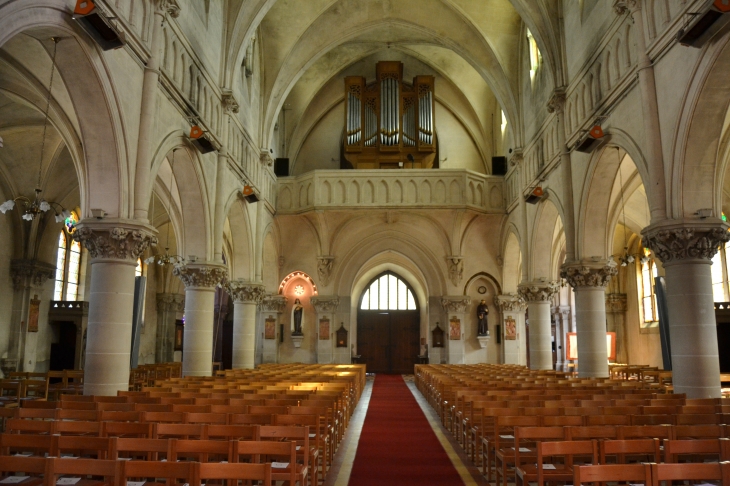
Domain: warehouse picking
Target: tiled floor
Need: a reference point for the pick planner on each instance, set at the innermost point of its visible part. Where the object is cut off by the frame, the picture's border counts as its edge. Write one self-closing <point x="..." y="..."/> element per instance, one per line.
<point x="339" y="474"/>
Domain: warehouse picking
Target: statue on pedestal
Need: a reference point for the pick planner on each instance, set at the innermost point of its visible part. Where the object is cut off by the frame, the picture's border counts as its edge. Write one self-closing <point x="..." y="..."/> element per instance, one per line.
<point x="482" y="318"/>
<point x="296" y="312"/>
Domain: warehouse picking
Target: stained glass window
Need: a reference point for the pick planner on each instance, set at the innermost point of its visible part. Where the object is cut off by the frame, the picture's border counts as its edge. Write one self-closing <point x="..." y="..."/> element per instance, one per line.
<point x="535" y="56"/>
<point x="388" y="292"/>
<point x="138" y="270"/>
<point x="718" y="280"/>
<point x="74" y="263"/>
<point x="60" y="267"/>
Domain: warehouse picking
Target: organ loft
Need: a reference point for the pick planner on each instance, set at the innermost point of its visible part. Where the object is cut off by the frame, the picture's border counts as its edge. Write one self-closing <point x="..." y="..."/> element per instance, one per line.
<point x="389" y="123"/>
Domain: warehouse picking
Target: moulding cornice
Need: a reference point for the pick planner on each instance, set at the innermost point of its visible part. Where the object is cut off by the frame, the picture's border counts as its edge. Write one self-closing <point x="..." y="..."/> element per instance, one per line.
<point x="273" y="303"/>
<point x="171" y="302"/>
<point x="325" y="303"/>
<point x="616" y="303"/>
<point x="510" y="303"/>
<point x="30" y="273"/>
<point x="457" y="304"/>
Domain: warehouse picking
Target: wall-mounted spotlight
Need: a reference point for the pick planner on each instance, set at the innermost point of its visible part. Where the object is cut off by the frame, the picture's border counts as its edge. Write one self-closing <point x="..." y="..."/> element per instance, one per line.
<point x="200" y="140"/>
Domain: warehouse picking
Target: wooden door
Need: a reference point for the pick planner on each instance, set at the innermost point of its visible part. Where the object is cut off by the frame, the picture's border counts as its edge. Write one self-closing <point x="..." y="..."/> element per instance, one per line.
<point x="388" y="341"/>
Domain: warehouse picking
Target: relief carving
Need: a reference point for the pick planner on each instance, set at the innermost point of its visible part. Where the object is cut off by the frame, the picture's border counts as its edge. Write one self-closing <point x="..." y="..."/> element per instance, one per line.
<point x="198" y="275"/>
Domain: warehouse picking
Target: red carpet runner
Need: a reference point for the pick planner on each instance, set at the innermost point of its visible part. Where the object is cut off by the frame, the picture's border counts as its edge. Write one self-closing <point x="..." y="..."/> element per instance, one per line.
<point x="397" y="444"/>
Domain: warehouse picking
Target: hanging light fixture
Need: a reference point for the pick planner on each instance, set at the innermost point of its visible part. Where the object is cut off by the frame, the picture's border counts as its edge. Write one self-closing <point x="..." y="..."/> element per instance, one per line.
<point x="166" y="258"/>
<point x="38" y="205"/>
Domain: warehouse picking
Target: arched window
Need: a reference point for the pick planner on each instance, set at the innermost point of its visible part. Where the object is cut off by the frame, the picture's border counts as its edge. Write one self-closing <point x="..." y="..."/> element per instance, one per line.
<point x="388" y="292"/>
<point x="60" y="266"/>
<point x="646" y="287"/>
<point x="68" y="263"/>
<point x="535" y="56"/>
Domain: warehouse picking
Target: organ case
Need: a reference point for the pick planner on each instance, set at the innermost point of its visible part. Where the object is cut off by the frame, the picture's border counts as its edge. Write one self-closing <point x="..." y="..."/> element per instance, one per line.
<point x="389" y="123"/>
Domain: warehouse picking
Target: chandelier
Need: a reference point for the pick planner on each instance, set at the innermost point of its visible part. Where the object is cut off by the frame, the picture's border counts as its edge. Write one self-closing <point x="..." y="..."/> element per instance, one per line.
<point x="38" y="205"/>
<point x="166" y="258"/>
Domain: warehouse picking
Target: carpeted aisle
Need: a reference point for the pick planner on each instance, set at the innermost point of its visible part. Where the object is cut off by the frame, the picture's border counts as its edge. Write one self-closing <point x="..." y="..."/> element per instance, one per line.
<point x="397" y="444"/>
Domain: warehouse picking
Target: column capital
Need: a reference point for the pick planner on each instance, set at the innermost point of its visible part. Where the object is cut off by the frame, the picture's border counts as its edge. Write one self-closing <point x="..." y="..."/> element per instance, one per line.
<point x="171" y="302"/>
<point x="273" y="303"/>
<point x="265" y="158"/>
<point x="517" y="157"/>
<point x="325" y="303"/>
<point x="170" y="7"/>
<point x="538" y="291"/>
<point x="616" y="303"/>
<point x="324" y="268"/>
<point x="510" y="302"/>
<point x="116" y="239"/>
<point x="230" y="105"/>
<point x="30" y="273"/>
<point x="200" y="274"/>
<point x="589" y="273"/>
<point x="623" y="6"/>
<point x="681" y="240"/>
<point x="456" y="304"/>
<point x="556" y="103"/>
<point x="245" y="292"/>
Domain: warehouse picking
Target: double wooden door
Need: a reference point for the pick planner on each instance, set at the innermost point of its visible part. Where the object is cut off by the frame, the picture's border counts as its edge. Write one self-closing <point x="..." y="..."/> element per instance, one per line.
<point x="388" y="341"/>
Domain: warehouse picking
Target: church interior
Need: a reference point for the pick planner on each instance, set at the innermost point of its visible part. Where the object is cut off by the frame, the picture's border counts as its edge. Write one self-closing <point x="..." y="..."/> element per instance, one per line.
<point x="208" y="188"/>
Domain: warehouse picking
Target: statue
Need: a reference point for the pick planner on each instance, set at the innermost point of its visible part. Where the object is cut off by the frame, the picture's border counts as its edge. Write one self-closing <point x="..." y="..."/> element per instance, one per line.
<point x="482" y="317"/>
<point x="297" y="317"/>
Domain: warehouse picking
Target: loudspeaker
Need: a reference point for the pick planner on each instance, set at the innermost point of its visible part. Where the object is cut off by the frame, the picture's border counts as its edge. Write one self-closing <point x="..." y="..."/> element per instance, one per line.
<point x="281" y="167"/>
<point x="591" y="140"/>
<point x="499" y="166"/>
<point x="249" y="194"/>
<point x="535" y="196"/>
<point x="705" y="24"/>
<point x="200" y="140"/>
<point x="98" y="25"/>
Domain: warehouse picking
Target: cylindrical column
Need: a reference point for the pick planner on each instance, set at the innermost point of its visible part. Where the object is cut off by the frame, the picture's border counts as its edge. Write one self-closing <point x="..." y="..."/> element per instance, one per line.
<point x="686" y="249"/>
<point x="246" y="296"/>
<point x="538" y="296"/>
<point x="114" y="248"/>
<point x="589" y="280"/>
<point x="200" y="281"/>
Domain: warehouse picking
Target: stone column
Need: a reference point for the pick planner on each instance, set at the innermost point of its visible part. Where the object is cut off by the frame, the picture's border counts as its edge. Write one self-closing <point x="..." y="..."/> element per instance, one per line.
<point x="200" y="281"/>
<point x="564" y="326"/>
<point x="650" y="111"/>
<point x="686" y="248"/>
<point x="29" y="277"/>
<point x="616" y="308"/>
<point x="272" y="305"/>
<point x="168" y="307"/>
<point x="538" y="295"/>
<point x="114" y="247"/>
<point x="246" y="296"/>
<point x="325" y="306"/>
<point x="148" y="108"/>
<point x="455" y="309"/>
<point x="589" y="281"/>
<point x="512" y="308"/>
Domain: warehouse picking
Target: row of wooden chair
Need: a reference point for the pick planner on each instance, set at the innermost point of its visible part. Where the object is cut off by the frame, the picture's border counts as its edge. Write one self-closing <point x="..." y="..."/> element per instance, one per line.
<point x="18" y="386"/>
<point x="48" y="471"/>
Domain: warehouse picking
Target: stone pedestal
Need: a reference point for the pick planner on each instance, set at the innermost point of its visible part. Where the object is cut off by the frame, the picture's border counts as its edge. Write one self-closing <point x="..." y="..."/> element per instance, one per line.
<point x="200" y="281"/>
<point x="114" y="247"/>
<point x="454" y="310"/>
<point x="589" y="281"/>
<point x="325" y="306"/>
<point x="538" y="295"/>
<point x="272" y="306"/>
<point x="512" y="308"/>
<point x="297" y="340"/>
<point x="483" y="341"/>
<point x="686" y="248"/>
<point x="246" y="296"/>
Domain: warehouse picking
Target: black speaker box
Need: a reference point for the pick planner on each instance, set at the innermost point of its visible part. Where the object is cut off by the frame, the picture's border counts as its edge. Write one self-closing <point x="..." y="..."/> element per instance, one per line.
<point x="499" y="166"/>
<point x="281" y="167"/>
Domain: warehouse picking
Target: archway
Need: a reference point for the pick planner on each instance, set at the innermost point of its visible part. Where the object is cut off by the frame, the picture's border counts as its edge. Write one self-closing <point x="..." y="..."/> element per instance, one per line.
<point x="388" y="325"/>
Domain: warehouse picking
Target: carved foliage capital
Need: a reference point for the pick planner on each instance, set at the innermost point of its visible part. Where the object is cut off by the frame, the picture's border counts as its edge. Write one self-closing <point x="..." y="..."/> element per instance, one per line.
<point x="171" y="7"/>
<point x="230" y="105"/>
<point x="455" y="304"/>
<point x="556" y="103"/>
<point x="273" y="303"/>
<point x="580" y="275"/>
<point x="266" y="159"/>
<point x="200" y="275"/>
<point x="325" y="304"/>
<point x="538" y="291"/>
<point x="696" y="242"/>
<point x="117" y="242"/>
<point x="30" y="272"/>
<point x="623" y="6"/>
<point x="245" y="291"/>
<point x="171" y="302"/>
<point x="510" y="302"/>
<point x="456" y="269"/>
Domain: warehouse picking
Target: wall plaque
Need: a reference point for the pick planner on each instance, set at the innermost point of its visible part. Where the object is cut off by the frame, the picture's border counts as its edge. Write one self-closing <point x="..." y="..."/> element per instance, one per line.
<point x="324" y="329"/>
<point x="270" y="328"/>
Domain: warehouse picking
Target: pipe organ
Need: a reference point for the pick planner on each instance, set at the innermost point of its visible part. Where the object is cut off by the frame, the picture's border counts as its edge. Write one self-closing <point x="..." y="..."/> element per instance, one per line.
<point x="389" y="123"/>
